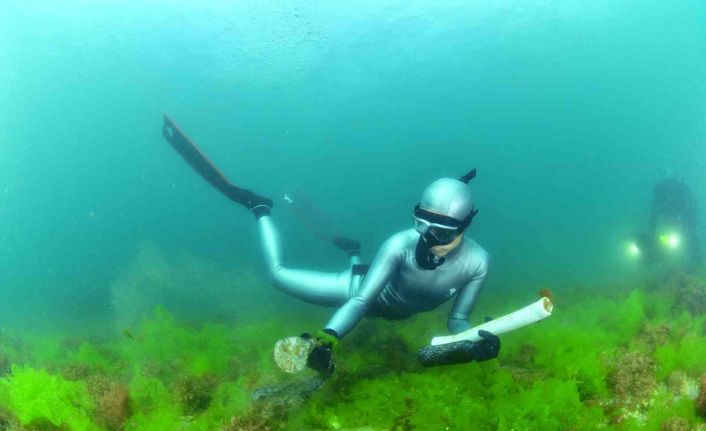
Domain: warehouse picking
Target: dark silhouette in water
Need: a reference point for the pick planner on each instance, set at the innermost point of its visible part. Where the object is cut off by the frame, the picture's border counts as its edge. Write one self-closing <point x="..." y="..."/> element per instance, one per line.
<point x="673" y="224"/>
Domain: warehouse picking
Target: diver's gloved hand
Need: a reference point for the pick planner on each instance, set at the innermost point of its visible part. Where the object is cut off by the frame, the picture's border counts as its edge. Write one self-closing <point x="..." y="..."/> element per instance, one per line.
<point x="320" y="358"/>
<point x="461" y="351"/>
<point x="488" y="347"/>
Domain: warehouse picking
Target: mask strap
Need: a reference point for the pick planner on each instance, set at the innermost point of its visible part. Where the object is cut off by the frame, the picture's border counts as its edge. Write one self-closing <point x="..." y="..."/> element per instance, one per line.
<point x="468" y="220"/>
<point x="469" y="176"/>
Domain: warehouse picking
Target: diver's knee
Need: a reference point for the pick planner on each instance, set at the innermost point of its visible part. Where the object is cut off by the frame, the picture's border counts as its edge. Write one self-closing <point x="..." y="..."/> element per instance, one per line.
<point x="276" y="276"/>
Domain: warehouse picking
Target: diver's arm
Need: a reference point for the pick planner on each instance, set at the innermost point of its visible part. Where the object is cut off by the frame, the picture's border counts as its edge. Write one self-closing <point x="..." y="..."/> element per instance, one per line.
<point x="385" y="264"/>
<point x="466" y="300"/>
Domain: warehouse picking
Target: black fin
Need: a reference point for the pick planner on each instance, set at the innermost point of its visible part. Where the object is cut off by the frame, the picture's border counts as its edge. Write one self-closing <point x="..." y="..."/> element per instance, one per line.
<point x="319" y="222"/>
<point x="469" y="176"/>
<point x="193" y="155"/>
<point x="349" y="245"/>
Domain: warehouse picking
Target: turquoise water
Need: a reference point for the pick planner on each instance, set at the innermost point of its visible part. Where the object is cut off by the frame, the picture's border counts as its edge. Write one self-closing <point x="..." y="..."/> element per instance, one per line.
<point x="570" y="110"/>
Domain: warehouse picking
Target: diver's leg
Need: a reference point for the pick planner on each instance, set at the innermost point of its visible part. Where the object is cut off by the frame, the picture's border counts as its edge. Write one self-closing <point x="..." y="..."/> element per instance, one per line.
<point x="357" y="273"/>
<point x="315" y="287"/>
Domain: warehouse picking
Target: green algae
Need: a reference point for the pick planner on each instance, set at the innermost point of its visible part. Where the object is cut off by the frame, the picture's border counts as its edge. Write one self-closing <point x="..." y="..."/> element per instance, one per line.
<point x="625" y="359"/>
<point x="39" y="397"/>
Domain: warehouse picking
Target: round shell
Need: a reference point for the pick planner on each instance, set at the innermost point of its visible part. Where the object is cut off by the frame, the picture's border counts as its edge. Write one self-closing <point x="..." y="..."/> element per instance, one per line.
<point x="291" y="353"/>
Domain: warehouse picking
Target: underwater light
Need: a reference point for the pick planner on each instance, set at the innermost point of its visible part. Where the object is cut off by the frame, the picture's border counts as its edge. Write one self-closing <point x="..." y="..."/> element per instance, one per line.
<point x="671" y="241"/>
<point x="633" y="249"/>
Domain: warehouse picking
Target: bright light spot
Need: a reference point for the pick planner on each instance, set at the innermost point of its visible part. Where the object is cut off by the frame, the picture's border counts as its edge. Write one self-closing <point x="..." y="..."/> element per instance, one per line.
<point x="671" y="241"/>
<point x="633" y="249"/>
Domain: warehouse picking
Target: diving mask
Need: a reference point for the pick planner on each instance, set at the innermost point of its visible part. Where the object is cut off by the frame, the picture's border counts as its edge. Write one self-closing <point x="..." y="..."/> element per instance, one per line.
<point x="439" y="228"/>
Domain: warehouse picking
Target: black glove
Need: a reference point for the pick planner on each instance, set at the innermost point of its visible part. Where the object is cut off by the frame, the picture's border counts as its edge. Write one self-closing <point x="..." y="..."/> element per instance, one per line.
<point x="488" y="347"/>
<point x="319" y="359"/>
<point x="461" y="351"/>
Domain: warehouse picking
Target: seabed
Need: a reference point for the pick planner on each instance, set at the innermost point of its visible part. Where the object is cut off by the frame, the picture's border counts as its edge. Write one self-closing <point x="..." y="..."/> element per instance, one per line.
<point x="628" y="357"/>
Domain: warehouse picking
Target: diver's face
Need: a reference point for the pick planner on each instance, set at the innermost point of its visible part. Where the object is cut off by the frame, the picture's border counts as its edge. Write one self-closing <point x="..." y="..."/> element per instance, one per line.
<point x="443" y="250"/>
<point x="437" y="228"/>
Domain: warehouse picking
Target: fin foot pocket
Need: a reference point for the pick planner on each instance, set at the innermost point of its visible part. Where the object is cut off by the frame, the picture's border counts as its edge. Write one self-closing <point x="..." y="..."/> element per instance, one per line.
<point x="248" y="199"/>
<point x="259" y="205"/>
<point x="349" y="245"/>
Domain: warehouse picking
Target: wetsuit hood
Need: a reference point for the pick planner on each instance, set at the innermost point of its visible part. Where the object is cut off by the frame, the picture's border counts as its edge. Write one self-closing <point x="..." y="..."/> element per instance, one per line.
<point x="450" y="197"/>
<point x="447" y="206"/>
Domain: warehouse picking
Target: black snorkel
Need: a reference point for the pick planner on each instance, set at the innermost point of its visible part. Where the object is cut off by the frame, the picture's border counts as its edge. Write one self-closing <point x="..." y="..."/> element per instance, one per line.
<point x="424" y="256"/>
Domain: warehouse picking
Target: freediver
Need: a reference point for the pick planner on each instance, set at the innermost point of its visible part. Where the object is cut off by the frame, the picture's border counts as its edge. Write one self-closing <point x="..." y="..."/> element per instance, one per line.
<point x="673" y="227"/>
<point x="415" y="270"/>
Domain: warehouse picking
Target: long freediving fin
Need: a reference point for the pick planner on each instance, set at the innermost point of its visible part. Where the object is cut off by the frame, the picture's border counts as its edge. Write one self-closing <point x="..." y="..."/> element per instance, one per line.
<point x="319" y="222"/>
<point x="193" y="155"/>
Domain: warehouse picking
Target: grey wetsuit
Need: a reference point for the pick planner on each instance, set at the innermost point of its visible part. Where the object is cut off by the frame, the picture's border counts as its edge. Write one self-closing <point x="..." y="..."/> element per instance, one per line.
<point x="395" y="286"/>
